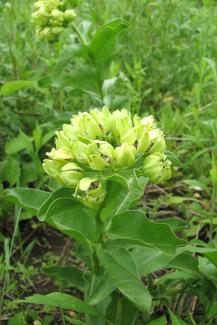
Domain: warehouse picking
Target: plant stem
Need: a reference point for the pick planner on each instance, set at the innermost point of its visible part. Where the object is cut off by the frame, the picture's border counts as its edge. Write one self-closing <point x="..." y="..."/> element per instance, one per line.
<point x="7" y="258"/>
<point x="118" y="318"/>
<point x="80" y="36"/>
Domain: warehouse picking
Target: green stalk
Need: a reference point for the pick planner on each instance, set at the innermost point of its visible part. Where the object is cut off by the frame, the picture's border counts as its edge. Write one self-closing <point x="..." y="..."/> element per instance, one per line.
<point x="80" y="36"/>
<point x="8" y="256"/>
<point x="118" y="318"/>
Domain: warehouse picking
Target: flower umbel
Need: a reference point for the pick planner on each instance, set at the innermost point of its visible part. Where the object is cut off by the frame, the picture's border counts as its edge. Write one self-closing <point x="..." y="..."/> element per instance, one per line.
<point x="50" y="18"/>
<point x="101" y="141"/>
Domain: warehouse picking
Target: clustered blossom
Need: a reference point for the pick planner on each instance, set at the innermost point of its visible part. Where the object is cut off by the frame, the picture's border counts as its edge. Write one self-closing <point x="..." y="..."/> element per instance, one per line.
<point x="50" y="18"/>
<point x="101" y="141"/>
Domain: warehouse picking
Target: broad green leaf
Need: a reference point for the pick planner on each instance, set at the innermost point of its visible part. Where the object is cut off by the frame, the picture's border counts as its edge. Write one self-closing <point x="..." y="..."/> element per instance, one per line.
<point x="69" y="274"/>
<point x="208" y="269"/>
<point x="133" y="227"/>
<point x="121" y="196"/>
<point x="73" y="219"/>
<point x="10" y="171"/>
<point x="126" y="281"/>
<point x="63" y="301"/>
<point x="29" y="173"/>
<point x="175" y="319"/>
<point x="180" y="276"/>
<point x="28" y="198"/>
<point x="185" y="262"/>
<point x="85" y="79"/>
<point x="102" y="287"/>
<point x="18" y="319"/>
<point x="21" y="142"/>
<point x="121" y="311"/>
<point x="103" y="42"/>
<point x="69" y="55"/>
<point x="62" y="193"/>
<point x="13" y="86"/>
<point x="159" y="321"/>
<point x="124" y="257"/>
<point x="212" y="256"/>
<point x="212" y="309"/>
<point x="176" y="224"/>
<point x="149" y="260"/>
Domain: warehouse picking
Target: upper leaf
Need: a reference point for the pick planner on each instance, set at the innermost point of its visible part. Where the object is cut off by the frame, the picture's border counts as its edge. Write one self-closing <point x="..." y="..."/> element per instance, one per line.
<point x="73" y="219"/>
<point x="102" y="45"/>
<point x="133" y="227"/>
<point x="125" y="189"/>
<point x="28" y="198"/>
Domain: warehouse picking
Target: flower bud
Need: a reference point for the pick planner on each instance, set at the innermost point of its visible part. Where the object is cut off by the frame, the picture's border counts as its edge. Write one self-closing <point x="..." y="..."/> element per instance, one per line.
<point x="70" y="178"/>
<point x="130" y="137"/>
<point x="60" y="154"/>
<point x="103" y="118"/>
<point x="158" y="141"/>
<point x="69" y="15"/>
<point x="62" y="141"/>
<point x="97" y="163"/>
<point x="123" y="122"/>
<point x="143" y="140"/>
<point x="124" y="156"/>
<point x="52" y="167"/>
<point x="92" y="128"/>
<point x="90" y="192"/>
<point x="157" y="168"/>
<point x="107" y="150"/>
<point x="57" y="15"/>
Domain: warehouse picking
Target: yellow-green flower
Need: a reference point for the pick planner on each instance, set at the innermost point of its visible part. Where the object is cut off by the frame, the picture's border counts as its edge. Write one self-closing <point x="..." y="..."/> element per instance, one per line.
<point x="101" y="141"/>
<point x="50" y="18"/>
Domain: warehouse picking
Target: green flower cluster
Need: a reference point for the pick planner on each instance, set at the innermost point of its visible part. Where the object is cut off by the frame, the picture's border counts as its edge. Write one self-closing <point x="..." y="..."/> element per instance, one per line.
<point x="101" y="141"/>
<point x="50" y="18"/>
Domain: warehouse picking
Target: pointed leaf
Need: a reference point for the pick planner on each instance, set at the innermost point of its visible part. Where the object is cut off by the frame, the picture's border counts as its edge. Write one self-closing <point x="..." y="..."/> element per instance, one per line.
<point x="63" y="301"/>
<point x="28" y="198"/>
<point x="150" y="260"/>
<point x="68" y="274"/>
<point x="73" y="219"/>
<point x="122" y="196"/>
<point x="13" y="86"/>
<point x="133" y="227"/>
<point x="175" y="319"/>
<point x="126" y="281"/>
<point x="103" y="42"/>
<point x="102" y="287"/>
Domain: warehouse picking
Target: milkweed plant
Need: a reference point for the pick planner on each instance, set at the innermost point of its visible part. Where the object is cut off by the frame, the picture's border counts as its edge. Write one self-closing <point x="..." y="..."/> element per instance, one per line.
<point x="100" y="164"/>
<point x="102" y="161"/>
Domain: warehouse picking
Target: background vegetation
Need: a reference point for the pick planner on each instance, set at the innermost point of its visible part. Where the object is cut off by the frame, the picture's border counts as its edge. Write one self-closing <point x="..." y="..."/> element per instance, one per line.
<point x="165" y="65"/>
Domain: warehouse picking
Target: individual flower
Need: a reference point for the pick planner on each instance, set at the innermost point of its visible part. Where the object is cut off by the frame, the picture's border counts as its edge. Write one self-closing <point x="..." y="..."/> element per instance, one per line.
<point x="101" y="141"/>
<point x="157" y="168"/>
<point x="50" y="18"/>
